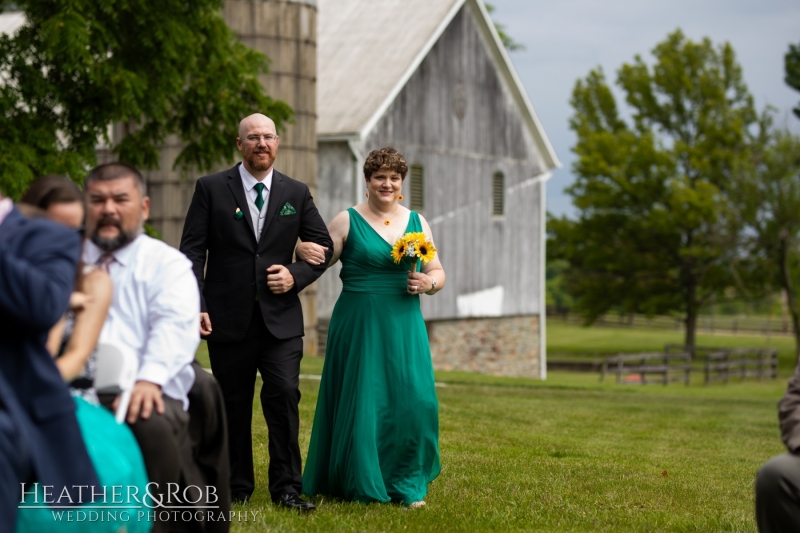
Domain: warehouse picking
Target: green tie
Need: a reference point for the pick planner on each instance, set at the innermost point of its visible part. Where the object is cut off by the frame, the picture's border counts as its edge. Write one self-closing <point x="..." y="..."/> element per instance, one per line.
<point x="259" y="198"/>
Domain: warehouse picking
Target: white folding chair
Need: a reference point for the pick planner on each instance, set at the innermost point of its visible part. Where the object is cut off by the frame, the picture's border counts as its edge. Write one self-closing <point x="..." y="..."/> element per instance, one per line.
<point x="116" y="374"/>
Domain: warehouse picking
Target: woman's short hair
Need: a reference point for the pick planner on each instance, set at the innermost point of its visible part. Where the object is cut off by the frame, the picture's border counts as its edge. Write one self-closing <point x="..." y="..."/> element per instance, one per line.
<point x="50" y="190"/>
<point x="387" y="158"/>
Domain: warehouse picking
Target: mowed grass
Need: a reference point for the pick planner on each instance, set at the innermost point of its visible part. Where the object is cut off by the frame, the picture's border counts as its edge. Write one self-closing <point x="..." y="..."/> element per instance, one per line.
<point x="566" y="454"/>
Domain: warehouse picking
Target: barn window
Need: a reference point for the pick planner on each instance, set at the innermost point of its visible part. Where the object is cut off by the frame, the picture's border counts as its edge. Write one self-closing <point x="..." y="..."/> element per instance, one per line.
<point x="417" y="187"/>
<point x="498" y="194"/>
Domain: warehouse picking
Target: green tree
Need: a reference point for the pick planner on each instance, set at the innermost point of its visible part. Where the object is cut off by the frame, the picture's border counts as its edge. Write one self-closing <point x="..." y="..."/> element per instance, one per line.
<point x="792" y="67"/>
<point x="657" y="228"/>
<point x="770" y="199"/>
<point x="158" y="70"/>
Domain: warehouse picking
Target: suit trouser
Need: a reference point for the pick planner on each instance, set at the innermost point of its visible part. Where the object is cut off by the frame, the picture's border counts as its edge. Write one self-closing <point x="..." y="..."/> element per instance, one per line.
<point x="209" y="433"/>
<point x="778" y="494"/>
<point x="14" y="469"/>
<point x="166" y="449"/>
<point x="278" y="360"/>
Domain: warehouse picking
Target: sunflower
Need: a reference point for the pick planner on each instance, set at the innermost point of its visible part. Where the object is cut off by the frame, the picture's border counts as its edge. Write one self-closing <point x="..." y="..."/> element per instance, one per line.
<point x="426" y="251"/>
<point x="399" y="249"/>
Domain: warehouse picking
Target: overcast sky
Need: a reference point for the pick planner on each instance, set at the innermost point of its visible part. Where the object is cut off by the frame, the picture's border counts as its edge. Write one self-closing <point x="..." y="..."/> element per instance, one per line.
<point x="565" y="39"/>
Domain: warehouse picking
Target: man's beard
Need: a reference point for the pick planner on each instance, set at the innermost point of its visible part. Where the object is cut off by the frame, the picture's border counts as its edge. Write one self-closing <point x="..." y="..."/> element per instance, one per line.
<point x="258" y="164"/>
<point x="122" y="239"/>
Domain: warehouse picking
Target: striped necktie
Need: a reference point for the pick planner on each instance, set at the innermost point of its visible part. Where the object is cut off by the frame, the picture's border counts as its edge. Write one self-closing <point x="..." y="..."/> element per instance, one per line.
<point x="259" y="197"/>
<point x="104" y="261"/>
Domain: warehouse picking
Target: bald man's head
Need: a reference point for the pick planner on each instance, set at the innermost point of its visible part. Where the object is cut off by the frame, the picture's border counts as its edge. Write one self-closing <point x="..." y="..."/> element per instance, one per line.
<point x="256" y="120"/>
<point x="258" y="142"/>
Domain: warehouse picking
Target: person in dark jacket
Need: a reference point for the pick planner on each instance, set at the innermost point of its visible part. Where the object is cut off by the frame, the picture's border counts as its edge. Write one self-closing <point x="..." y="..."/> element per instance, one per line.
<point x="778" y="480"/>
<point x="39" y="435"/>
<point x="240" y="234"/>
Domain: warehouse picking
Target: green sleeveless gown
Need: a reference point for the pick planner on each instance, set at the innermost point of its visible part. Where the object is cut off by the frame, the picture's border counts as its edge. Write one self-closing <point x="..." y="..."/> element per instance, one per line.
<point x="376" y="428"/>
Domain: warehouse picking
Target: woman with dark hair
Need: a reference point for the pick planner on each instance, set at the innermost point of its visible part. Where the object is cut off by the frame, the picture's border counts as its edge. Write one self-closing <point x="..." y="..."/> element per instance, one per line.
<point x="111" y="446"/>
<point x="376" y="428"/>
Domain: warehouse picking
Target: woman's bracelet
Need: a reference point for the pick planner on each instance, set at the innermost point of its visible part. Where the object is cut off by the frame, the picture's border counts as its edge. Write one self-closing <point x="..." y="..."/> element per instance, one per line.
<point x="433" y="285"/>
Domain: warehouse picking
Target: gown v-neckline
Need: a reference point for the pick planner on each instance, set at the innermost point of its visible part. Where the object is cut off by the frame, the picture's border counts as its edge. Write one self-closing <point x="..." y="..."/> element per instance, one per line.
<point x="410" y="213"/>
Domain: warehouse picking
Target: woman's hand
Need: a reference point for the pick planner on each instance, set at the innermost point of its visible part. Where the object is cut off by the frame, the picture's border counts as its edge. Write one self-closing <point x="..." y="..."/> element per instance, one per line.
<point x="78" y="300"/>
<point x="419" y="283"/>
<point x="311" y="253"/>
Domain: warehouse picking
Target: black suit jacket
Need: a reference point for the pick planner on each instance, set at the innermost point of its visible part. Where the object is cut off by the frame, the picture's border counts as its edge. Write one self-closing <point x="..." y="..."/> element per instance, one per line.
<point x="37" y="276"/>
<point x="237" y="264"/>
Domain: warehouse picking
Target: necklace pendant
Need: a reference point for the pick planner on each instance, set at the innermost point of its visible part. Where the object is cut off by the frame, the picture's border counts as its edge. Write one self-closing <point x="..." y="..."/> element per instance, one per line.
<point x="387" y="222"/>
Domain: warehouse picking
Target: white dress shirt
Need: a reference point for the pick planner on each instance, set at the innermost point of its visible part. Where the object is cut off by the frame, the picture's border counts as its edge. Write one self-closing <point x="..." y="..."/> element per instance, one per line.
<point x="249" y="183"/>
<point x="154" y="311"/>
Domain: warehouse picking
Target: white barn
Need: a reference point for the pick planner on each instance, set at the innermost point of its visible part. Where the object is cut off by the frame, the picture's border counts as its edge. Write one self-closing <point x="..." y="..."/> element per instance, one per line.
<point x="432" y="79"/>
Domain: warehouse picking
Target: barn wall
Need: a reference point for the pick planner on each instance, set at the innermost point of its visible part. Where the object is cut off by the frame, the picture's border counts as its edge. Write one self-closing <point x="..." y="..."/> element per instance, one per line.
<point x="457" y="118"/>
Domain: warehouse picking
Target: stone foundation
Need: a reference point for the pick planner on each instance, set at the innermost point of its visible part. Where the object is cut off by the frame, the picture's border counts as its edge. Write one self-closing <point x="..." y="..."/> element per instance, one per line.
<point x="501" y="346"/>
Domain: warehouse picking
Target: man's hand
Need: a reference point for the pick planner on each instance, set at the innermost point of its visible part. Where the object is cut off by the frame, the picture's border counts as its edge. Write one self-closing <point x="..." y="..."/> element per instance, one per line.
<point x="205" y="324"/>
<point x="144" y="397"/>
<point x="279" y="279"/>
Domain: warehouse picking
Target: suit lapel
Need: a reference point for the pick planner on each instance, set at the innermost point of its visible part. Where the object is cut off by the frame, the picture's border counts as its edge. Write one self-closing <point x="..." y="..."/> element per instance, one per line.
<point x="274" y="204"/>
<point x="237" y="188"/>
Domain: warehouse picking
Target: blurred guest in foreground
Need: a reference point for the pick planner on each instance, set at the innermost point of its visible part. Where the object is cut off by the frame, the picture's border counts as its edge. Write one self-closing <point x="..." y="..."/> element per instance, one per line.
<point x="154" y="312"/>
<point x="778" y="481"/>
<point x="39" y="435"/>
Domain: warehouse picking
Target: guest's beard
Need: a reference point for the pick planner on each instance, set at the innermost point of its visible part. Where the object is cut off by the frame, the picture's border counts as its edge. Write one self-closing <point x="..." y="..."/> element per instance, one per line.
<point x="122" y="239"/>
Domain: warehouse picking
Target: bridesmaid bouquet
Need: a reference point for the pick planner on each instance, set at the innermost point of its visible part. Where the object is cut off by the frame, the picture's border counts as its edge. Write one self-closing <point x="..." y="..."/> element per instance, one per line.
<point x="416" y="246"/>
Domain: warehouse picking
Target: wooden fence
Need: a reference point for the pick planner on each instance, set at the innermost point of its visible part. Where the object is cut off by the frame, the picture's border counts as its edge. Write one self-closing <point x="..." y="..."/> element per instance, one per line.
<point x="634" y="368"/>
<point x="722" y="364"/>
<point x="707" y="324"/>
<point x="677" y="364"/>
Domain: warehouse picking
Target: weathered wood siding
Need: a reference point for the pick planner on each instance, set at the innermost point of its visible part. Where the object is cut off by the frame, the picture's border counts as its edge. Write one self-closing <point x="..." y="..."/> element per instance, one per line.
<point x="336" y="191"/>
<point x="457" y="119"/>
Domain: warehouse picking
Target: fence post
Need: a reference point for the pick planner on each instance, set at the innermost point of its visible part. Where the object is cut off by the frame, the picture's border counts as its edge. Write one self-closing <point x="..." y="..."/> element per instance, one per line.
<point x="619" y="370"/>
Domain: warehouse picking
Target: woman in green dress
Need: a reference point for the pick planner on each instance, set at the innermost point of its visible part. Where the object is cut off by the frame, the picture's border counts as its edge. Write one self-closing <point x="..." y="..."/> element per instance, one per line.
<point x="376" y="427"/>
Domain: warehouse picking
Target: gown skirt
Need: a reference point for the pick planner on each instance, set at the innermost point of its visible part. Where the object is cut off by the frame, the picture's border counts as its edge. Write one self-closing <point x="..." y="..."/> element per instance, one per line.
<point x="376" y="427"/>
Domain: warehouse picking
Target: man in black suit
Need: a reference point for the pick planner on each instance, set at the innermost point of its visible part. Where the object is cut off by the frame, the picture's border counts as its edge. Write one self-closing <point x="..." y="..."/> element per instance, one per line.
<point x="39" y="434"/>
<point x="246" y="221"/>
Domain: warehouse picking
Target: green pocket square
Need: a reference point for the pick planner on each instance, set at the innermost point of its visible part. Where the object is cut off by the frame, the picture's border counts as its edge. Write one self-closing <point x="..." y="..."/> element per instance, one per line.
<point x="287" y="210"/>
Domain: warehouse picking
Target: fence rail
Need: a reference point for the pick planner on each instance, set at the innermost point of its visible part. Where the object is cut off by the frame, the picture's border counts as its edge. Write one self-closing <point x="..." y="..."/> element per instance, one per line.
<point x="667" y="367"/>
<point x="707" y="324"/>
<point x="676" y="363"/>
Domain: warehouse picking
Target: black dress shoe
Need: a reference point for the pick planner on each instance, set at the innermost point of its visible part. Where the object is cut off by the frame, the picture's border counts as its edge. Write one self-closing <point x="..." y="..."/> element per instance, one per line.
<point x="240" y="498"/>
<point x="293" y="501"/>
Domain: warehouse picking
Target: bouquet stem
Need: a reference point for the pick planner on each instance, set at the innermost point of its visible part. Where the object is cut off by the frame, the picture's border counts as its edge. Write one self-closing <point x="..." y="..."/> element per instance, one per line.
<point x="414" y="264"/>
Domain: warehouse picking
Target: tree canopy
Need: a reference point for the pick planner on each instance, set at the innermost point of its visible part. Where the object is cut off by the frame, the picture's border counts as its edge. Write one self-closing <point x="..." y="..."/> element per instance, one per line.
<point x="657" y="229"/>
<point x="77" y="67"/>
<point x="792" y="67"/>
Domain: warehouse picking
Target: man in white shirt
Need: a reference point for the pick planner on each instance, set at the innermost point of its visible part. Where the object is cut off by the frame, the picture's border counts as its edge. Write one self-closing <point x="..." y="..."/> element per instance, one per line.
<point x="153" y="312"/>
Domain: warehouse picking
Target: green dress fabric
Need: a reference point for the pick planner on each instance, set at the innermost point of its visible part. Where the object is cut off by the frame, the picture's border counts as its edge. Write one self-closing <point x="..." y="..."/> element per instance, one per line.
<point x="376" y="428"/>
<point x="118" y="461"/>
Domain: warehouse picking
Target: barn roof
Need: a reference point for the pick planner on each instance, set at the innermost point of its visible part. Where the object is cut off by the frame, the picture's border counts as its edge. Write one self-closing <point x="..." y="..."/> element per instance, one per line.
<point x="367" y="51"/>
<point x="10" y="22"/>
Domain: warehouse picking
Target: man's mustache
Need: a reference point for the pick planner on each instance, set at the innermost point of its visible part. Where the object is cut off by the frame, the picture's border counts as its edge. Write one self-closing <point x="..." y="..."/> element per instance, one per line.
<point x="109" y="221"/>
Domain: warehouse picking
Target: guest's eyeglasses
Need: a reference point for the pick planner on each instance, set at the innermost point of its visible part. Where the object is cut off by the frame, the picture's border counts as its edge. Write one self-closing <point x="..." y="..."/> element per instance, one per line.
<point x="256" y="138"/>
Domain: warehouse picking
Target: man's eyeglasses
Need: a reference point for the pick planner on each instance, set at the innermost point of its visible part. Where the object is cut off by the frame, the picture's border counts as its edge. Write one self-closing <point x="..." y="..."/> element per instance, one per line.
<point x="256" y="138"/>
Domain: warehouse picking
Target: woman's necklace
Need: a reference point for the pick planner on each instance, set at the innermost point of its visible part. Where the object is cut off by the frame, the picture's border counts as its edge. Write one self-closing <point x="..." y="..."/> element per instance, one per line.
<point x="386" y="221"/>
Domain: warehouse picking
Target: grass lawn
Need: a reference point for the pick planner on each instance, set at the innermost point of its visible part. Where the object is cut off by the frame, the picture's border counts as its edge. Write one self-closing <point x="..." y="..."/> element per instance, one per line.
<point x="567" y="454"/>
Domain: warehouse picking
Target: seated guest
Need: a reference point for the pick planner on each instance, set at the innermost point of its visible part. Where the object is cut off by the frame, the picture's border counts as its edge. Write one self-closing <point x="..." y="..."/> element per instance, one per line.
<point x="154" y="312"/>
<point x="778" y="481"/>
<point x="62" y="201"/>
<point x="39" y="435"/>
<point x="112" y="447"/>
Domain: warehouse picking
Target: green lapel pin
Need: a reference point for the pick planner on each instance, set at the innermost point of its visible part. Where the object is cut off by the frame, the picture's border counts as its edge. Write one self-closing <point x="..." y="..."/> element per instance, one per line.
<point x="238" y="214"/>
<point x="287" y="210"/>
